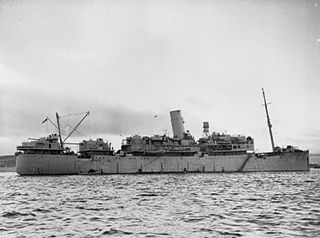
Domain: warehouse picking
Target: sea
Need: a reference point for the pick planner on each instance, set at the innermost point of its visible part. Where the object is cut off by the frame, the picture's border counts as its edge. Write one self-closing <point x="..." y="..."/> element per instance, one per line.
<point x="271" y="204"/>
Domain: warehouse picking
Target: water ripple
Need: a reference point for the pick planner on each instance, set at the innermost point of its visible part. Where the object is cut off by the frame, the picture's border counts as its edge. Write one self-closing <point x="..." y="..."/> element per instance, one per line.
<point x="169" y="205"/>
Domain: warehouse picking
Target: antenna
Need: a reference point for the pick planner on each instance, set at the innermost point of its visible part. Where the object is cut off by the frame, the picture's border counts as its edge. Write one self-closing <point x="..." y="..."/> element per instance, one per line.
<point x="268" y="120"/>
<point x="58" y="123"/>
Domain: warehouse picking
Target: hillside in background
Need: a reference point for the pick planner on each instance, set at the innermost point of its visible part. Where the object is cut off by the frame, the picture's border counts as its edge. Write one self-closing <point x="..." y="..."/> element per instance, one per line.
<point x="7" y="161"/>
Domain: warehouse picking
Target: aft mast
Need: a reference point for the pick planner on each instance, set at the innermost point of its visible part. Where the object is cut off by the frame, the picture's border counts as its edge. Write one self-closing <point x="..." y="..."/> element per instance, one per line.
<point x="268" y="120"/>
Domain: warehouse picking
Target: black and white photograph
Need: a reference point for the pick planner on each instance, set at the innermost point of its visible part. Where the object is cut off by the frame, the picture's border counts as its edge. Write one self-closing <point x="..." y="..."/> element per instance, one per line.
<point x="159" y="118"/>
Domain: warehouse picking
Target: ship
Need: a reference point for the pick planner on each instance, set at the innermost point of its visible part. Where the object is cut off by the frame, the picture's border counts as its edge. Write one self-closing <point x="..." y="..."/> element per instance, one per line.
<point x="213" y="153"/>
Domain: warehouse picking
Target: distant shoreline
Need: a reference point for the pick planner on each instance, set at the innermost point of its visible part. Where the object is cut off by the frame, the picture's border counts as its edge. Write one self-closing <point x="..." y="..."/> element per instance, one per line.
<point x="7" y="169"/>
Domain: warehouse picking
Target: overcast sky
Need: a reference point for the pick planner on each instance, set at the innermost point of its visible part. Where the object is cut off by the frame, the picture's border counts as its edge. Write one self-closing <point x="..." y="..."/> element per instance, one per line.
<point x="127" y="61"/>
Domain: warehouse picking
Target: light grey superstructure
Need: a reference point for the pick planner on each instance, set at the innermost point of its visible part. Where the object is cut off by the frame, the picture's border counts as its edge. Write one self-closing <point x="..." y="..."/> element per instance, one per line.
<point x="214" y="153"/>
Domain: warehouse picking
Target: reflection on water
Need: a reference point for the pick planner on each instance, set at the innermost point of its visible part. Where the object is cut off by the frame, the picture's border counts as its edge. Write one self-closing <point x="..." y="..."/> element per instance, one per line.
<point x="173" y="205"/>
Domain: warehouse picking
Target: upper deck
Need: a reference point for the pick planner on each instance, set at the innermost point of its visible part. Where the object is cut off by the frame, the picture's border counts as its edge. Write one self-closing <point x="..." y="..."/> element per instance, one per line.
<point x="43" y="145"/>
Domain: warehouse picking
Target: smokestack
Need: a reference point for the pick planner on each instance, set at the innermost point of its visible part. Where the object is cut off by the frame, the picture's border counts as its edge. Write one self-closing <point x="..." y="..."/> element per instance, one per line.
<point x="177" y="124"/>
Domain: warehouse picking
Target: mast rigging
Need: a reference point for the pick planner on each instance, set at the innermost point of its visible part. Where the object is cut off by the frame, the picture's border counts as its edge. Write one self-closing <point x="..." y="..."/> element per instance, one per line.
<point x="75" y="128"/>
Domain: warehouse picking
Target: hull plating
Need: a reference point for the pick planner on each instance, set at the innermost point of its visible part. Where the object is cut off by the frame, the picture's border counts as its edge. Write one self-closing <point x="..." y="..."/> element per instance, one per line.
<point x="32" y="164"/>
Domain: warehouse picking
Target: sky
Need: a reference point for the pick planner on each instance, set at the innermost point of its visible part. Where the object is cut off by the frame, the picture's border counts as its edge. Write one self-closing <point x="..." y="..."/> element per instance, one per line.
<point x="131" y="62"/>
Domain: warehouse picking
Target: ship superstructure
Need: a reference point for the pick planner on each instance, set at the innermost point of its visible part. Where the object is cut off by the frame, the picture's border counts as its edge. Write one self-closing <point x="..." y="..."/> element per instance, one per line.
<point x="225" y="143"/>
<point x="182" y="143"/>
<point x="88" y="148"/>
<point x="159" y="145"/>
<point x="43" y="145"/>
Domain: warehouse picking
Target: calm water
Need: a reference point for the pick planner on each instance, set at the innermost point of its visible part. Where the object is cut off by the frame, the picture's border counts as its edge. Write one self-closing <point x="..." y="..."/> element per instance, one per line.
<point x="176" y="205"/>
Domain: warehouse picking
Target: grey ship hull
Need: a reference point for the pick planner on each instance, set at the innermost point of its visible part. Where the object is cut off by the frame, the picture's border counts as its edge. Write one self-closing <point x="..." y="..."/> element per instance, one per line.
<point x="34" y="164"/>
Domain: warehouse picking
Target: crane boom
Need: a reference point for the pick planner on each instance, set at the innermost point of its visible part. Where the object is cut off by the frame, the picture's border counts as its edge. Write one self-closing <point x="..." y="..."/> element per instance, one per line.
<point x="58" y="123"/>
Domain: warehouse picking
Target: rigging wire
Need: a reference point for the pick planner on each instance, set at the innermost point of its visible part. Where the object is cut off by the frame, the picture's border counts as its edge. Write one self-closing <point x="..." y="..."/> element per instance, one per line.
<point x="47" y="127"/>
<point x="89" y="126"/>
<point x="73" y="128"/>
<point x="75" y="114"/>
<point x="47" y="119"/>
